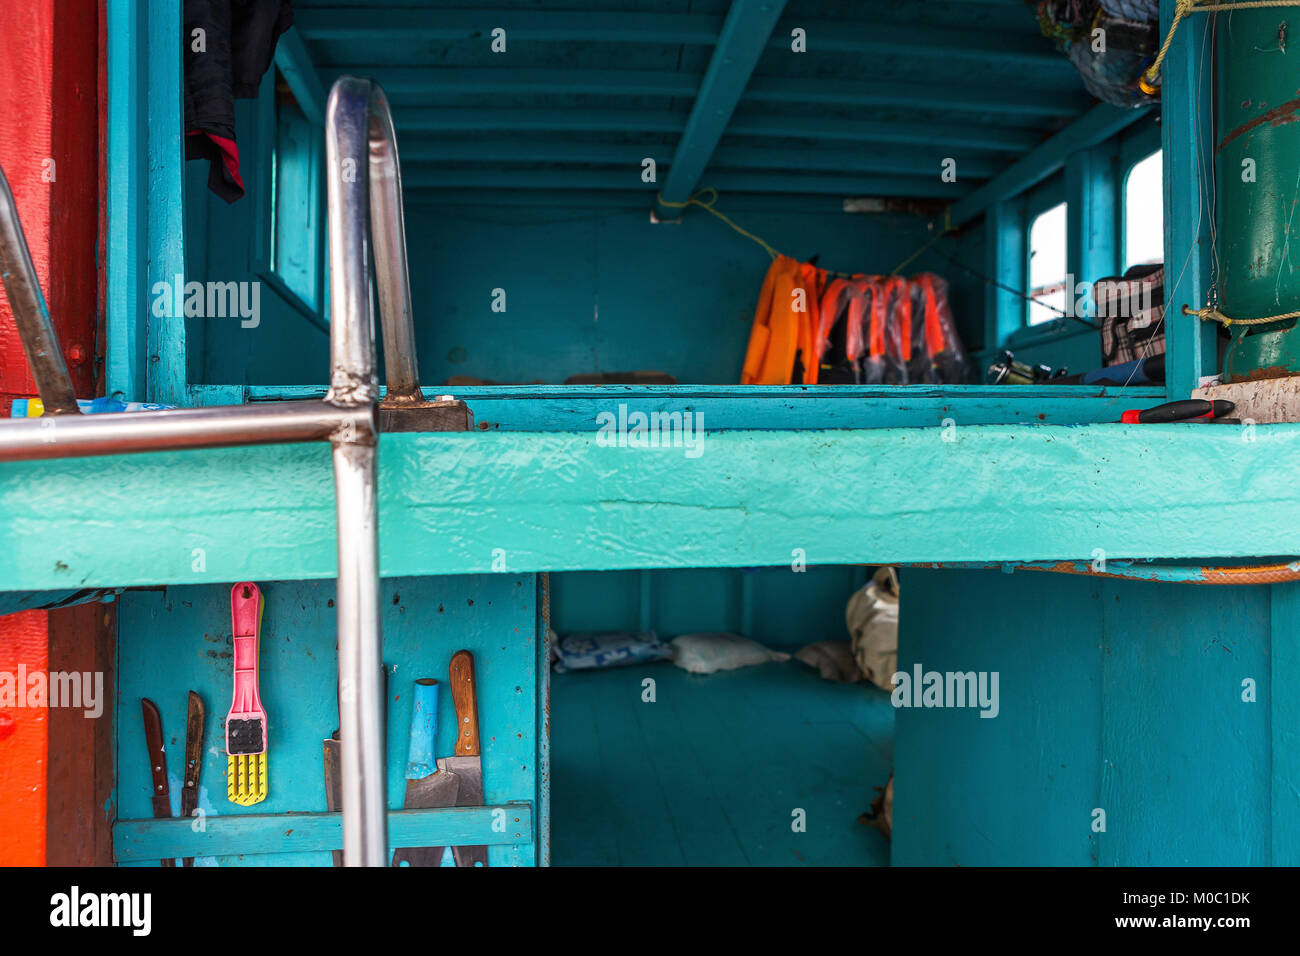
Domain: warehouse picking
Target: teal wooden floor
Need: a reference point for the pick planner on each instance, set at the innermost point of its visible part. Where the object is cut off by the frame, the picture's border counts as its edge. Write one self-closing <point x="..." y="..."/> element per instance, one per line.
<point x="711" y="772"/>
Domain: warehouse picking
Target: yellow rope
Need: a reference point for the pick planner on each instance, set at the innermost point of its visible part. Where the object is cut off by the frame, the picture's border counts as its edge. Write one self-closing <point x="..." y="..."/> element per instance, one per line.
<point x="1214" y="315"/>
<point x="1184" y="7"/>
<point x="707" y="206"/>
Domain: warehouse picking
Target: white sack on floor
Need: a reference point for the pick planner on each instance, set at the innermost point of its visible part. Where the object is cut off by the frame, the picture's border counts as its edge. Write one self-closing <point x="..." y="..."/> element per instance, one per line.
<point x="872" y="618"/>
<point x="833" y="660"/>
<point x="706" y="653"/>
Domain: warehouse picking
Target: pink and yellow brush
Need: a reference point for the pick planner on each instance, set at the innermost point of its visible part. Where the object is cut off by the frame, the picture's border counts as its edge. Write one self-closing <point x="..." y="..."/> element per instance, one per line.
<point x="246" y="722"/>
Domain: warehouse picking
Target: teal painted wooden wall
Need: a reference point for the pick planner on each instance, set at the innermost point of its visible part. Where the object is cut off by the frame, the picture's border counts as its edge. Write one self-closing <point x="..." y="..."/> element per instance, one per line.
<point x="777" y="607"/>
<point x="284" y="347"/>
<point x="1119" y="696"/>
<point x="586" y="289"/>
<point x="178" y="639"/>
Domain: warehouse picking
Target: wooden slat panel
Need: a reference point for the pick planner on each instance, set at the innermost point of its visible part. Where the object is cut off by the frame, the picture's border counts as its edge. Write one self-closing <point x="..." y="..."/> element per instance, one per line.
<point x="135" y="840"/>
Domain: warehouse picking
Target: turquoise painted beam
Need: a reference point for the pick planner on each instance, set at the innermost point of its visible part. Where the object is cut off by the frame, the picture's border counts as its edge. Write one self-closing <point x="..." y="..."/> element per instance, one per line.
<point x="609" y="201"/>
<point x="472" y="177"/>
<point x="294" y="62"/>
<point x="1092" y="235"/>
<point x="165" y="252"/>
<point x="1022" y="100"/>
<point x="412" y="84"/>
<point x="127" y="135"/>
<point x="457" y="503"/>
<point x="1187" y="142"/>
<point x="423" y="151"/>
<point x="744" y="35"/>
<point x="420" y="119"/>
<point x="145" y="233"/>
<point x="635" y="27"/>
<point x="1006" y="258"/>
<point x="1027" y="49"/>
<point x="552" y="408"/>
<point x="1097" y="125"/>
<point x="251" y="834"/>
<point x="405" y="84"/>
<point x="523" y="27"/>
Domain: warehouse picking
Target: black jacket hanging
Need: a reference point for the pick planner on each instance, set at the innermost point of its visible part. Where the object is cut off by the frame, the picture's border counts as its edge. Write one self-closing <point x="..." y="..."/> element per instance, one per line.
<point x="229" y="44"/>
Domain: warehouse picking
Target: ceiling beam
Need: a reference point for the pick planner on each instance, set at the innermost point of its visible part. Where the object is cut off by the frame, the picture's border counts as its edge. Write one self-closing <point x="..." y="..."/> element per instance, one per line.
<point x="406" y="83"/>
<point x="431" y="81"/>
<point x="887" y="39"/>
<point x="528" y="26"/>
<point x="432" y="177"/>
<point x="634" y="27"/>
<point x="423" y="150"/>
<point x="995" y="139"/>
<point x="745" y="33"/>
<point x="1008" y="99"/>
<point x="1096" y="126"/>
<point x="295" y="65"/>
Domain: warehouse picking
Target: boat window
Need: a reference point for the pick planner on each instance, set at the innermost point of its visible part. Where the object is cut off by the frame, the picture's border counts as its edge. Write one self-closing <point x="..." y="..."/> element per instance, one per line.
<point x="1144" y="213"/>
<point x="295" y="200"/>
<point x="1047" y="277"/>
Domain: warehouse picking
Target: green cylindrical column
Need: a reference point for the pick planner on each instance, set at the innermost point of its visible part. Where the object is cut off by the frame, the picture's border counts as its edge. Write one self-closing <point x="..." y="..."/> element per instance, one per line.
<point x="1258" y="204"/>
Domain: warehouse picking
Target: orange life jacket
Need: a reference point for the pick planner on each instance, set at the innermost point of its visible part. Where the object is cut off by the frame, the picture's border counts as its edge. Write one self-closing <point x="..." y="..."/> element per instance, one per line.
<point x="782" y="329"/>
<point x="934" y="337"/>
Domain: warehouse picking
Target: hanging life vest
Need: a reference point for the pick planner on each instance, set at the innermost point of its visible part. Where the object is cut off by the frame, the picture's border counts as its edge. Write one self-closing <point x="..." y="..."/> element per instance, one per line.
<point x="783" y="326"/>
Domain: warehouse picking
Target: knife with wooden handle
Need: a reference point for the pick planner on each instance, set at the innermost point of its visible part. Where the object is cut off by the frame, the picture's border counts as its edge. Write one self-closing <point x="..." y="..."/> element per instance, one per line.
<point x="193" y="761"/>
<point x="467" y="762"/>
<point x="153" y="738"/>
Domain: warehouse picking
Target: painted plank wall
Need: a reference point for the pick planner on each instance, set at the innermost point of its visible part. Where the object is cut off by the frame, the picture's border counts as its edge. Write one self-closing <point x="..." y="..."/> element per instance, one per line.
<point x="778" y="607"/>
<point x="1121" y="696"/>
<point x="177" y="639"/>
<point x="586" y="289"/>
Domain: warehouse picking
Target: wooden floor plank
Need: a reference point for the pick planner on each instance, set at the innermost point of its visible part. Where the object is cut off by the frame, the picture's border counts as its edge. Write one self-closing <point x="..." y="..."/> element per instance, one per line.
<point x="716" y="766"/>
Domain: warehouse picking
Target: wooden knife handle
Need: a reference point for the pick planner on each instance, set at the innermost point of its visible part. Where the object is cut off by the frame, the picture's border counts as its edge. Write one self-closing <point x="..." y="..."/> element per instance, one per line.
<point x="464" y="697"/>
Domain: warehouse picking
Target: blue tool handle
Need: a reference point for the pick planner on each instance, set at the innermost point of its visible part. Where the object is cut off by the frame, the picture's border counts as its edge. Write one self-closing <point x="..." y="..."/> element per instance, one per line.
<point x="424" y="725"/>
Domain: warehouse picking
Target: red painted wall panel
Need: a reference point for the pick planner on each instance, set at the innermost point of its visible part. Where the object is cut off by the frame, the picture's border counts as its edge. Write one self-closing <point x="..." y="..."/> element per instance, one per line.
<point x="24" y="739"/>
<point x="50" y="152"/>
<point x="49" y="148"/>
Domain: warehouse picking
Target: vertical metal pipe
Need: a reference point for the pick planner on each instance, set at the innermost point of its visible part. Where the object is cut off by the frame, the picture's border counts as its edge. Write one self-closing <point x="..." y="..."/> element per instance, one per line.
<point x="31" y="315"/>
<point x="388" y="229"/>
<point x="352" y="383"/>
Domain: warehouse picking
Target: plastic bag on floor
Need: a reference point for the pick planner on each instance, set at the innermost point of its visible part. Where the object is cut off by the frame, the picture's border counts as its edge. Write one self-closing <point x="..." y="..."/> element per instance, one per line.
<point x="872" y="619"/>
<point x="706" y="653"/>
<point x="583" y="652"/>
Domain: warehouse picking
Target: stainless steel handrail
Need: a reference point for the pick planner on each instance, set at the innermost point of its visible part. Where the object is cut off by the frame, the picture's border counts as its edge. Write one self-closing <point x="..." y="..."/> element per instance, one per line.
<point x="355" y="111"/>
<point x="31" y="315"/>
<point x="361" y="154"/>
<point x="388" y="228"/>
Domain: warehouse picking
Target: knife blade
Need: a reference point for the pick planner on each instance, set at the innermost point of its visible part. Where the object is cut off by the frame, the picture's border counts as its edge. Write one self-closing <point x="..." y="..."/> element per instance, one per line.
<point x="153" y="738"/>
<point x="332" y="760"/>
<point x="466" y="763"/>
<point x="426" y="784"/>
<point x="193" y="761"/>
